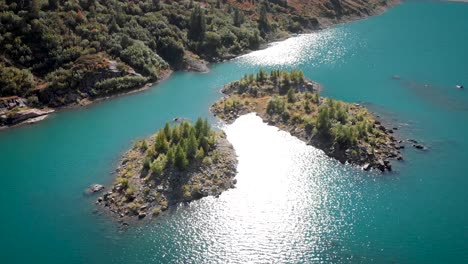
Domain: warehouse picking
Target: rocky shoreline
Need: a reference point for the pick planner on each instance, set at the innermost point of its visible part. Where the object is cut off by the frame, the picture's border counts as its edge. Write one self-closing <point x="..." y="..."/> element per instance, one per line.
<point x="351" y="134"/>
<point x="17" y="111"/>
<point x="142" y="192"/>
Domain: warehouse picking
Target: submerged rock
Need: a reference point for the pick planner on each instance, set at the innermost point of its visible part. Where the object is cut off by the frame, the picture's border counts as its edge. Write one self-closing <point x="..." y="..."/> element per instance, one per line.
<point x="419" y="146"/>
<point x="95" y="188"/>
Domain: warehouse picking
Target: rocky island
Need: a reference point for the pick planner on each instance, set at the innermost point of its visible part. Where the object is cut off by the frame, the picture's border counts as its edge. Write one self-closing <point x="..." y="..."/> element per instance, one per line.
<point x="177" y="164"/>
<point x="346" y="132"/>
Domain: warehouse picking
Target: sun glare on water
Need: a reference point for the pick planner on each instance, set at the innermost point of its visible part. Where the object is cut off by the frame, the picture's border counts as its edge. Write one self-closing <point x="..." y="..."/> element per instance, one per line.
<point x="322" y="47"/>
<point x="283" y="208"/>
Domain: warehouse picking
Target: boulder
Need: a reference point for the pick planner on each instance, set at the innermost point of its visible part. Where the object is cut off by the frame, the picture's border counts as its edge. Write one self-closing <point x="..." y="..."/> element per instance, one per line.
<point x="96" y="188"/>
<point x="141" y="215"/>
<point x="381" y="165"/>
<point x="366" y="167"/>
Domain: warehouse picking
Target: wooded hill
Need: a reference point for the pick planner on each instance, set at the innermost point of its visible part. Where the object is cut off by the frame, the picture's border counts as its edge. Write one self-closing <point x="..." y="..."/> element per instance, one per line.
<point x="57" y="52"/>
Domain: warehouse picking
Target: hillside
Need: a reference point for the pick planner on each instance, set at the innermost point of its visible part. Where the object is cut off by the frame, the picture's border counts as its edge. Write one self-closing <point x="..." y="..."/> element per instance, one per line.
<point x="57" y="53"/>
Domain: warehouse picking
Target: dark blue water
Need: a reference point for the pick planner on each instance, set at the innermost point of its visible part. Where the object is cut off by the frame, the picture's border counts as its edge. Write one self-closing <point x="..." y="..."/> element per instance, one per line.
<point x="292" y="203"/>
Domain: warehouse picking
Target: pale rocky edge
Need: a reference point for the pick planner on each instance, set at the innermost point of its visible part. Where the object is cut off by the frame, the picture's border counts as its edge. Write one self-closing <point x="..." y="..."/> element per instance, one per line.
<point x="151" y="198"/>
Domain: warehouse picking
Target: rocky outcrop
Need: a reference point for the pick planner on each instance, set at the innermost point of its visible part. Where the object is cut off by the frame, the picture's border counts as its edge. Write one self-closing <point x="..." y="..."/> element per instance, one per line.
<point x="194" y="64"/>
<point x="23" y="115"/>
<point x="95" y="188"/>
<point x="14" y="110"/>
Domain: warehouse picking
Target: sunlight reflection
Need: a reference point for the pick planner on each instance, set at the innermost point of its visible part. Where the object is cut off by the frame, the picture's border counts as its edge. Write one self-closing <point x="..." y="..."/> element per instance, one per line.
<point x="323" y="47"/>
<point x="280" y="200"/>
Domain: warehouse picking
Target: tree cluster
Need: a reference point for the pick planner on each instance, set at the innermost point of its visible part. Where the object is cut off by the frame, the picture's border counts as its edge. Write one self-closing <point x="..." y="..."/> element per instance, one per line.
<point x="180" y="145"/>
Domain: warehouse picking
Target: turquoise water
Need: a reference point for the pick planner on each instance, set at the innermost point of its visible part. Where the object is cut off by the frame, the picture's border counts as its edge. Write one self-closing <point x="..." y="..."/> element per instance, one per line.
<point x="292" y="204"/>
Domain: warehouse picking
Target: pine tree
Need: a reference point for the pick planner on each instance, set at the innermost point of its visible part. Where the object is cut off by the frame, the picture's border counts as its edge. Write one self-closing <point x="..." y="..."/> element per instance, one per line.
<point x="238" y="18"/>
<point x="161" y="145"/>
<point x="263" y="24"/>
<point x="198" y="127"/>
<point x="192" y="145"/>
<point x="203" y="143"/>
<point x="114" y="27"/>
<point x="171" y="156"/>
<point x="167" y="131"/>
<point x="197" y="27"/>
<point x="175" y="135"/>
<point x="323" y="121"/>
<point x="205" y="128"/>
<point x="291" y="96"/>
<point x="180" y="160"/>
<point x="35" y="8"/>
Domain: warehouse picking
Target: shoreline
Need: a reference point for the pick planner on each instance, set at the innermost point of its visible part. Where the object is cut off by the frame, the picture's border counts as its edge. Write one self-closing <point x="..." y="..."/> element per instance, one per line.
<point x="325" y="23"/>
<point x="86" y="102"/>
<point x="148" y="182"/>
<point x="347" y="132"/>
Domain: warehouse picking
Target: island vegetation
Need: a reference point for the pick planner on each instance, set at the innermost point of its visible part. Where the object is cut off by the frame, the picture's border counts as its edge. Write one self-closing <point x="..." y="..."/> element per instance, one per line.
<point x="56" y="53"/>
<point x="347" y="132"/>
<point x="177" y="164"/>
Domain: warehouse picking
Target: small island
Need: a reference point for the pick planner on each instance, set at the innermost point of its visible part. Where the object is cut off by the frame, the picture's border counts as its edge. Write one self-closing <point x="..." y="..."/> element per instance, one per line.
<point x="181" y="163"/>
<point x="346" y="132"/>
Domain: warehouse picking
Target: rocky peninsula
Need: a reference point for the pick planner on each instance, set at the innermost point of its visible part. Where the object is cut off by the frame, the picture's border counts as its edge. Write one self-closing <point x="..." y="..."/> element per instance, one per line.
<point x="346" y="132"/>
<point x="177" y="164"/>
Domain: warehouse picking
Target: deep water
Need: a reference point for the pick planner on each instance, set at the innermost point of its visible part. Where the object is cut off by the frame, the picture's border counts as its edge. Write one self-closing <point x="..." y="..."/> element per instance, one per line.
<point x="292" y="204"/>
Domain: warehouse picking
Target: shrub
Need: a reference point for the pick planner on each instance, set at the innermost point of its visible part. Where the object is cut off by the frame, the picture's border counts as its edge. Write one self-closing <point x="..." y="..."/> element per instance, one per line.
<point x="158" y="165"/>
<point x="118" y="84"/>
<point x="143" y="59"/>
<point x="14" y="81"/>
<point x="156" y="211"/>
<point x="275" y="106"/>
<point x="291" y="96"/>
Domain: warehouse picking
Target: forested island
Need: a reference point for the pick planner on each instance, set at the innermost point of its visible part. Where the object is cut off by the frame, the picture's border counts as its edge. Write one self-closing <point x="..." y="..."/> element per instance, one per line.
<point x="346" y="132"/>
<point x="181" y="163"/>
<point x="57" y="53"/>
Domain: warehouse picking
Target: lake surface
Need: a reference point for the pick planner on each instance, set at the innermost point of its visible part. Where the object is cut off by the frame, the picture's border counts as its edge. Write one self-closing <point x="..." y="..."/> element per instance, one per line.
<point x="292" y="204"/>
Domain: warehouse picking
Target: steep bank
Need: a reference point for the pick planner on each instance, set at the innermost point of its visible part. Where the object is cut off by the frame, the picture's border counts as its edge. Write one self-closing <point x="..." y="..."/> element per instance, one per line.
<point x="346" y="132"/>
<point x="102" y="48"/>
<point x="178" y="164"/>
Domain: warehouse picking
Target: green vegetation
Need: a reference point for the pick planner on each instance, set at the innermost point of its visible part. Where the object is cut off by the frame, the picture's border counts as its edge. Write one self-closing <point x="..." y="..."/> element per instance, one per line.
<point x="179" y="163"/>
<point x="289" y="101"/>
<point x="64" y="51"/>
<point x="179" y="146"/>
